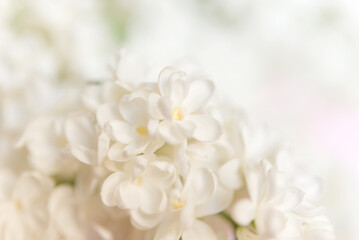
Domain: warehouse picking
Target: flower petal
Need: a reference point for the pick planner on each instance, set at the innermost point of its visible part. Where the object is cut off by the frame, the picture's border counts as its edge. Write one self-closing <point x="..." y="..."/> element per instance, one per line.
<point x="207" y="128"/>
<point x="200" y="185"/>
<point x="83" y="154"/>
<point x="287" y="199"/>
<point x="221" y="199"/>
<point x="144" y="221"/>
<point x="107" y="112"/>
<point x="134" y="111"/>
<point x="170" y="132"/>
<point x="200" y="91"/>
<point x="229" y="174"/>
<point x="169" y="229"/>
<point x="243" y="212"/>
<point x="80" y="130"/>
<point x="130" y="195"/>
<point x="153" y="200"/>
<point x="199" y="230"/>
<point x="120" y="131"/>
<point x="115" y="152"/>
<point x="110" y="188"/>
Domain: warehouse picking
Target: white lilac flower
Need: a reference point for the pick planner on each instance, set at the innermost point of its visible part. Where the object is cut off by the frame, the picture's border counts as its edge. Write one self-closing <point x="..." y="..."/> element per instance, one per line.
<point x="46" y="142"/>
<point x="82" y="135"/>
<point x="180" y="105"/>
<point x="75" y="217"/>
<point x="182" y="216"/>
<point x="276" y="207"/>
<point x="140" y="188"/>
<point x="23" y="205"/>
<point x="129" y="126"/>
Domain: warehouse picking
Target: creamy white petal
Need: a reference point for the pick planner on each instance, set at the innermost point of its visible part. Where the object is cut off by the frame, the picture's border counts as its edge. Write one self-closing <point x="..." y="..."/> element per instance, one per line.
<point x="134" y="111"/>
<point x="287" y="199"/>
<point x="255" y="183"/>
<point x="115" y="152"/>
<point x="130" y="195"/>
<point x="165" y="107"/>
<point x="80" y="130"/>
<point x="153" y="199"/>
<point x="199" y="230"/>
<point x="152" y="101"/>
<point x="120" y="131"/>
<point x="83" y="154"/>
<point x="200" y="91"/>
<point x="102" y="147"/>
<point x="31" y="187"/>
<point x="271" y="223"/>
<point x="169" y="229"/>
<point x="144" y="221"/>
<point x="171" y="133"/>
<point x="107" y="112"/>
<point x="243" y="212"/>
<point x="136" y="147"/>
<point x="229" y="174"/>
<point x="200" y="185"/>
<point x="207" y="128"/>
<point x="110" y="189"/>
<point x="221" y="199"/>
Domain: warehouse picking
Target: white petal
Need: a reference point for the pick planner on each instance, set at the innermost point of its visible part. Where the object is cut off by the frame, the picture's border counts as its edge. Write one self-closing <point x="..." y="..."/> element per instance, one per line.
<point x="153" y="101"/>
<point x="200" y="185"/>
<point x="63" y="211"/>
<point x="153" y="200"/>
<point x="161" y="173"/>
<point x="136" y="147"/>
<point x="287" y="199"/>
<point x="144" y="221"/>
<point x="120" y="131"/>
<point x="186" y="127"/>
<point x="83" y="154"/>
<point x="115" y="152"/>
<point x="199" y="230"/>
<point x="163" y="79"/>
<point x="102" y="147"/>
<point x="165" y="107"/>
<point x="130" y="195"/>
<point x="80" y="130"/>
<point x="170" y="132"/>
<point x="229" y="174"/>
<point x="173" y="83"/>
<point x="243" y="212"/>
<point x="178" y="87"/>
<point x="254" y="180"/>
<point x="221" y="199"/>
<point x="271" y="223"/>
<point x="110" y="188"/>
<point x="207" y="128"/>
<point x="200" y="91"/>
<point x="31" y="187"/>
<point x="169" y="229"/>
<point x="107" y="112"/>
<point x="134" y="111"/>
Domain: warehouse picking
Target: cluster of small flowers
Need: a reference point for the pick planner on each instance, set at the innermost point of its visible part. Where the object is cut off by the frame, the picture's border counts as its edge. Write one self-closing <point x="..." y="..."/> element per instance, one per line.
<point x="155" y="161"/>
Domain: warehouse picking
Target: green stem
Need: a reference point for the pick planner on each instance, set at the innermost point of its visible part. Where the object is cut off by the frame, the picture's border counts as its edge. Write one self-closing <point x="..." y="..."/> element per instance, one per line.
<point x="229" y="219"/>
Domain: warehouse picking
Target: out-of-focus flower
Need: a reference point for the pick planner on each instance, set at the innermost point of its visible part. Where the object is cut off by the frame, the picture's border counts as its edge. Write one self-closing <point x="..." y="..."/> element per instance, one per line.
<point x="23" y="205"/>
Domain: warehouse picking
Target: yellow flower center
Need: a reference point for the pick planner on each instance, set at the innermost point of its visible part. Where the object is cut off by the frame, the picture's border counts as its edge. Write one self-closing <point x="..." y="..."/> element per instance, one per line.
<point x="177" y="114"/>
<point x="137" y="181"/>
<point x="142" y="131"/>
<point x="178" y="204"/>
<point x="18" y="206"/>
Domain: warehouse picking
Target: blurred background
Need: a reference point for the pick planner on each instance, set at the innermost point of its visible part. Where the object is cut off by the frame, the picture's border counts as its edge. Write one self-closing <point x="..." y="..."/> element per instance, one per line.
<point x="292" y="64"/>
